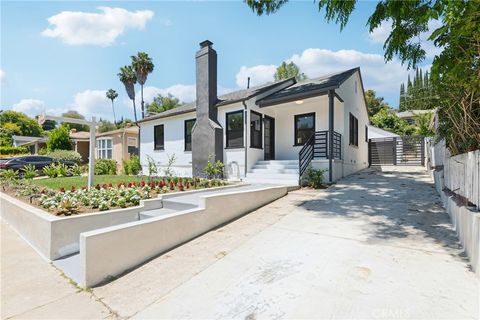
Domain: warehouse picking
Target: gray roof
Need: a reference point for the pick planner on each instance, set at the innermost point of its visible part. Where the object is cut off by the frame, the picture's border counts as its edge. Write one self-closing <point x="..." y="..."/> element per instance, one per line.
<point x="309" y="87"/>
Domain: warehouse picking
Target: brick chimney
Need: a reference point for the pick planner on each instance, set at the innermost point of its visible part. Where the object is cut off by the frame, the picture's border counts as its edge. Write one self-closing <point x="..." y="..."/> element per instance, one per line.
<point x="207" y="134"/>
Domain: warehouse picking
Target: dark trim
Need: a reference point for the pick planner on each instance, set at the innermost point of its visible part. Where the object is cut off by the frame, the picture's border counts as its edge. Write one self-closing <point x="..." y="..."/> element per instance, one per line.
<point x="272" y="139"/>
<point x="294" y="97"/>
<point x="366" y="133"/>
<point x="231" y="148"/>
<point x="331" y="123"/>
<point x="261" y="130"/>
<point x="226" y="129"/>
<point x="155" y="137"/>
<point x="338" y="97"/>
<point x="352" y="130"/>
<point x="185" y="134"/>
<point x="295" y="144"/>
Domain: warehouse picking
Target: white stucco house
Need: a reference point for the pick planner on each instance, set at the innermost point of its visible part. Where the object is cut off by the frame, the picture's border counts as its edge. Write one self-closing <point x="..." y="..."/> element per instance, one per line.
<point x="270" y="133"/>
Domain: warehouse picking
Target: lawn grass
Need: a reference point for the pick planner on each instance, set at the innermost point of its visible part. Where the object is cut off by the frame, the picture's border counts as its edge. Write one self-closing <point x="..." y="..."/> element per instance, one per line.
<point x="81" y="181"/>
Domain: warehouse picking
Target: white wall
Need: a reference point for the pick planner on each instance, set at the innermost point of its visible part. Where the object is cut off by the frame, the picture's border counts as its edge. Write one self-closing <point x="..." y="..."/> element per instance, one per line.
<point x="354" y="158"/>
<point x="174" y="128"/>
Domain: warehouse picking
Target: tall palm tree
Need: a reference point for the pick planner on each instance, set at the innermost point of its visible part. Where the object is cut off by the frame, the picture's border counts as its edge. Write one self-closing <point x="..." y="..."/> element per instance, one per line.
<point x="112" y="95"/>
<point x="128" y="77"/>
<point x="142" y="64"/>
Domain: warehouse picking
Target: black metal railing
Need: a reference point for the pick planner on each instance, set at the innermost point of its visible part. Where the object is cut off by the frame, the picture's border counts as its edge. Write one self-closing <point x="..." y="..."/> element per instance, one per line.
<point x="316" y="147"/>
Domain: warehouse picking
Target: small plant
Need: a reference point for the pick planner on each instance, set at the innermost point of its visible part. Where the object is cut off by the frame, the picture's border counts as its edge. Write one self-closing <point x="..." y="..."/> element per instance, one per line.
<point x="213" y="169"/>
<point x="126" y="167"/>
<point x="29" y="171"/>
<point x="105" y="166"/>
<point x="9" y="174"/>
<point x="168" y="169"/>
<point x="50" y="171"/>
<point x="152" y="167"/>
<point x="62" y="170"/>
<point x="75" y="170"/>
<point x="315" y="177"/>
<point x="68" y="207"/>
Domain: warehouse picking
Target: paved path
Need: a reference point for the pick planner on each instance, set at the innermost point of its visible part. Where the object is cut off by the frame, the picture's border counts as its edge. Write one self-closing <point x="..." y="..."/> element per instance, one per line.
<point x="374" y="246"/>
<point x="377" y="245"/>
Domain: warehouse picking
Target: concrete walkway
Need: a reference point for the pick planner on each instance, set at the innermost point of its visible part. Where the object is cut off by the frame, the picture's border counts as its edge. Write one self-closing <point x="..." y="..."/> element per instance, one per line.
<point x="376" y="245"/>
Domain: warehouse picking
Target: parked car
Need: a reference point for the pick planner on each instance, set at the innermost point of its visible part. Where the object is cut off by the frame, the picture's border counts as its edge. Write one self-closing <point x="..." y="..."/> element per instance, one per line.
<point x="17" y="163"/>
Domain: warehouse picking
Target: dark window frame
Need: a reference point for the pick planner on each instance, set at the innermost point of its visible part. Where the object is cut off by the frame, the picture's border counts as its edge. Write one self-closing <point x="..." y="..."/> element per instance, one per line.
<point x="252" y="142"/>
<point x="227" y="131"/>
<point x="185" y="134"/>
<point x="296" y="129"/>
<point x="366" y="133"/>
<point x="162" y="146"/>
<point x="353" y="130"/>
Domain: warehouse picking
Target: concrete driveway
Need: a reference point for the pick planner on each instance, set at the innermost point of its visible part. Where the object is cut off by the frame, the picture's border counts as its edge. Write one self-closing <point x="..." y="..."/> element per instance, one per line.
<point x="377" y="245"/>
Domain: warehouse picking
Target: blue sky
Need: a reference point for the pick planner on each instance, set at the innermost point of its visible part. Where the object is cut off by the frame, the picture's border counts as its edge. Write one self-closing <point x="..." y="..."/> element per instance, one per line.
<point x="57" y="56"/>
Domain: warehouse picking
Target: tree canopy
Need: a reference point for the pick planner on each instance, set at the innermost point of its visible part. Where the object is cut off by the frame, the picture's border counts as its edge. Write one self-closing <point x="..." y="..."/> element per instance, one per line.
<point x="419" y="94"/>
<point x="163" y="103"/>
<point x="74" y="114"/>
<point x="59" y="139"/>
<point x="374" y="103"/>
<point x="288" y="70"/>
<point x="21" y="123"/>
<point x="388" y="120"/>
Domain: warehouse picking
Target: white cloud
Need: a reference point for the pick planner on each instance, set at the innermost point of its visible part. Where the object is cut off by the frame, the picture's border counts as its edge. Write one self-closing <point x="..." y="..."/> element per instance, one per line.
<point x="93" y="103"/>
<point x="379" y="36"/>
<point x="376" y="74"/>
<point x="34" y="107"/>
<point x="77" y="28"/>
<point x="3" y="77"/>
<point x="259" y="74"/>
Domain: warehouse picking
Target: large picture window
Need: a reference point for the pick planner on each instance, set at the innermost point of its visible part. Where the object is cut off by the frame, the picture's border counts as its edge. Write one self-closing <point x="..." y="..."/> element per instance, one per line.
<point x="304" y="128"/>
<point x="158" y="137"/>
<point x="104" y="148"/>
<point x="353" y="130"/>
<point x="255" y="130"/>
<point x="235" y="129"/>
<point x="188" y="134"/>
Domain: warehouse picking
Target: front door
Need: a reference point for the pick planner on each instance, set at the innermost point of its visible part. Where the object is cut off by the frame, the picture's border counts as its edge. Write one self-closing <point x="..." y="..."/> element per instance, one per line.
<point x="269" y="138"/>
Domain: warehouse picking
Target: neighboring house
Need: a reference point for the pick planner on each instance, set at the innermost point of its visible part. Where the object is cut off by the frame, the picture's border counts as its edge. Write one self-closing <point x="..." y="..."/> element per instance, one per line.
<point x="81" y="143"/>
<point x="263" y="134"/>
<point x="117" y="145"/>
<point x="375" y="133"/>
<point x="32" y="143"/>
<point x="409" y="116"/>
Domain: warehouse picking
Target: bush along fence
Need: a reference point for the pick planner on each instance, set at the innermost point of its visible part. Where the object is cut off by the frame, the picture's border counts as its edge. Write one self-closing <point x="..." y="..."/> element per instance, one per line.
<point x="457" y="180"/>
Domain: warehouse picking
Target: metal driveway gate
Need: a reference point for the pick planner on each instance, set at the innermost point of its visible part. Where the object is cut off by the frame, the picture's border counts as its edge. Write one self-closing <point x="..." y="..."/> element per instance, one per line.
<point x="406" y="151"/>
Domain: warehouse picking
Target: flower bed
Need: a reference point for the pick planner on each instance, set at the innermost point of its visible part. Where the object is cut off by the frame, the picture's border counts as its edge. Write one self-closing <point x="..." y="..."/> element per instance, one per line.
<point x="101" y="197"/>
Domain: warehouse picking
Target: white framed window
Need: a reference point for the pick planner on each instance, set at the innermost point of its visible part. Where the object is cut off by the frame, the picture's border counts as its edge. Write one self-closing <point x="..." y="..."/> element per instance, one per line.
<point x="104" y="148"/>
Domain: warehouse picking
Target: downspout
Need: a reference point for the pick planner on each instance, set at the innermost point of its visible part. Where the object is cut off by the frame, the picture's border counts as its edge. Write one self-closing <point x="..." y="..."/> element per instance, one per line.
<point x="245" y="134"/>
<point x="331" y="97"/>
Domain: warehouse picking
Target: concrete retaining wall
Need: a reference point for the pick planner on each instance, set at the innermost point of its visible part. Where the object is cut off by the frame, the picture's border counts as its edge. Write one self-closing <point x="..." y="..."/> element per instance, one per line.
<point x="108" y="252"/>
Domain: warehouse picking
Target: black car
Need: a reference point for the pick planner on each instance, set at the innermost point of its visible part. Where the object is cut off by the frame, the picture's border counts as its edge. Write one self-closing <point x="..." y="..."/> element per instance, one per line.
<point x="39" y="162"/>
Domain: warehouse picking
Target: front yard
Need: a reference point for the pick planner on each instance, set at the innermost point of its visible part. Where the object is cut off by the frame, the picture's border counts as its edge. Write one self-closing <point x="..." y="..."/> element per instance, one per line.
<point x="81" y="181"/>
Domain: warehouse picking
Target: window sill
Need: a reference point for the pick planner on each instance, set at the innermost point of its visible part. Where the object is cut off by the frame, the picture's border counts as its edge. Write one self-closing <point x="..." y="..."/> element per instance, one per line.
<point x="353" y="146"/>
<point x="298" y="145"/>
<point x="159" y="149"/>
<point x="230" y="148"/>
<point x="252" y="147"/>
<point x="187" y="150"/>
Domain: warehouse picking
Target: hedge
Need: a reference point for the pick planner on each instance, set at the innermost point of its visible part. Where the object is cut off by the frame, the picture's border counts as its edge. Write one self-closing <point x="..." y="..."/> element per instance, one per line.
<point x="13" y="150"/>
<point x="65" y="155"/>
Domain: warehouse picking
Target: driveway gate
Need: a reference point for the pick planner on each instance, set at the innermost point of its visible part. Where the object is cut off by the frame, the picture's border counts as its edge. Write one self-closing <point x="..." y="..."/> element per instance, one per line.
<point x="401" y="151"/>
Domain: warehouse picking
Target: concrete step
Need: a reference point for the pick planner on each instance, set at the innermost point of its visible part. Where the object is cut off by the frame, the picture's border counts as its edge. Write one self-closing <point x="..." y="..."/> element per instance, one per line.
<point x="274" y="171"/>
<point x="278" y="162"/>
<point x="155" y="213"/>
<point x="178" y="205"/>
<point x="272" y="181"/>
<point x="282" y="176"/>
<point x="275" y="166"/>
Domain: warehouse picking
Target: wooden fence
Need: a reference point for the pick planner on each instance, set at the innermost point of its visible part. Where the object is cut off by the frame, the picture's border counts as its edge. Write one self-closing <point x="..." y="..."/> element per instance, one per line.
<point x="461" y="173"/>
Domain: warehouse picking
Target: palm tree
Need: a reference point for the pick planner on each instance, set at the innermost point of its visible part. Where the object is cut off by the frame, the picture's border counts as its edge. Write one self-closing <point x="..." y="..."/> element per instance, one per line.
<point x="142" y="64"/>
<point x="112" y="95"/>
<point x="129" y="78"/>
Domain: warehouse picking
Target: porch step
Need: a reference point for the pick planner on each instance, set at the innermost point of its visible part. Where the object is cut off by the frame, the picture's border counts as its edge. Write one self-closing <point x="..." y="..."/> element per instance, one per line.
<point x="279" y="172"/>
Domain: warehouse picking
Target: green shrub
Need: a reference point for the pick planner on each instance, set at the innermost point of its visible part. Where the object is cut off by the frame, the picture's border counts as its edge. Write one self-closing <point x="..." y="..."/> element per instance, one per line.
<point x="42" y="151"/>
<point x="105" y="166"/>
<point x="13" y="150"/>
<point x="75" y="170"/>
<point x="315" y="177"/>
<point x="50" y="170"/>
<point x="59" y="139"/>
<point x="132" y="166"/>
<point x="62" y="170"/>
<point x="9" y="174"/>
<point x="65" y="155"/>
<point x="29" y="171"/>
<point x="213" y="169"/>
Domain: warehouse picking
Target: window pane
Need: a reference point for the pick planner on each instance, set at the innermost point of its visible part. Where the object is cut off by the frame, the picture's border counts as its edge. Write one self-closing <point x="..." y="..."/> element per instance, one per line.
<point x="109" y="143"/>
<point x="305" y="125"/>
<point x="235" y="129"/>
<point x="109" y="154"/>
<point x="188" y="134"/>
<point x="255" y="130"/>
<point x="158" y="132"/>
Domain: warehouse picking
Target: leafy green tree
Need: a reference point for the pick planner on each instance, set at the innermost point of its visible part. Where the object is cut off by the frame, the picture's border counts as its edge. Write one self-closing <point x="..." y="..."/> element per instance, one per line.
<point x="402" y="102"/>
<point x="374" y="103"/>
<point x="74" y="114"/>
<point x="27" y="125"/>
<point x="388" y="120"/>
<point x="163" y="103"/>
<point x="143" y="65"/>
<point x="112" y="95"/>
<point x="105" y="126"/>
<point x="285" y="71"/>
<point x="128" y="77"/>
<point x="423" y="124"/>
<point x="59" y="138"/>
